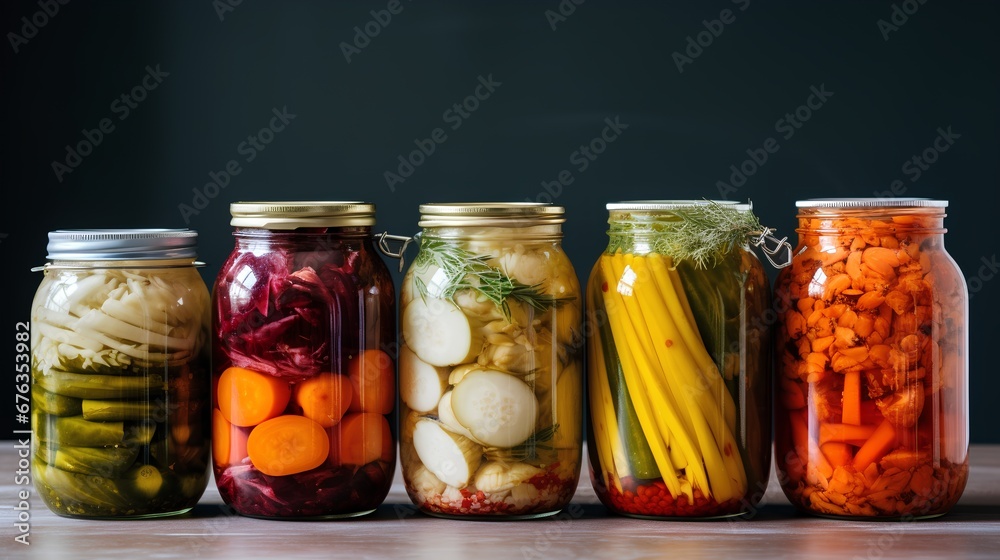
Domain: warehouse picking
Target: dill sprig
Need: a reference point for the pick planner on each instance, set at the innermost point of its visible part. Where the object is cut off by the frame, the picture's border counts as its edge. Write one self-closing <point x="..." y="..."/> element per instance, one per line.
<point x="702" y="233"/>
<point x="463" y="269"/>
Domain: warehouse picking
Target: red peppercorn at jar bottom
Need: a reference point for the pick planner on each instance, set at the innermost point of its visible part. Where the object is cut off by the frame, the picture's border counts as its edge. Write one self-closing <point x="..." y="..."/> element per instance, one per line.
<point x="650" y="498"/>
<point x="553" y="493"/>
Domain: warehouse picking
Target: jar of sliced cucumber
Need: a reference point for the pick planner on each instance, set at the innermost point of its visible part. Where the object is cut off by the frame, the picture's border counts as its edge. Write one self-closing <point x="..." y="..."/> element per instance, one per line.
<point x="120" y="374"/>
<point x="490" y="364"/>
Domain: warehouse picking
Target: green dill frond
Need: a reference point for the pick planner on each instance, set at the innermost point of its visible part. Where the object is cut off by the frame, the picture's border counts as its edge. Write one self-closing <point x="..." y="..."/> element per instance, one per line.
<point x="464" y="269"/>
<point x="703" y="234"/>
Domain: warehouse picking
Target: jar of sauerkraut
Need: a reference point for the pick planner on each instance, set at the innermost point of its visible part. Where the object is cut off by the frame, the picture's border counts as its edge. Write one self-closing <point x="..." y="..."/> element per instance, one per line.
<point x="120" y="374"/>
<point x="304" y="368"/>
<point x="872" y="417"/>
<point x="490" y="363"/>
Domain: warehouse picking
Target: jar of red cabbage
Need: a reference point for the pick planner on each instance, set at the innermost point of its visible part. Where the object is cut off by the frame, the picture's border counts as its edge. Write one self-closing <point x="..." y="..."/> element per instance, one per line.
<point x="304" y="376"/>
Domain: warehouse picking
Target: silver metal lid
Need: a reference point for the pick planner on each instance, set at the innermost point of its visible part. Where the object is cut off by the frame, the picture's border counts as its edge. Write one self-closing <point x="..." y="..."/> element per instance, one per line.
<point x="122" y="244"/>
<point x="287" y="215"/>
<point x="895" y="202"/>
<point x="512" y="214"/>
<point x="654" y="205"/>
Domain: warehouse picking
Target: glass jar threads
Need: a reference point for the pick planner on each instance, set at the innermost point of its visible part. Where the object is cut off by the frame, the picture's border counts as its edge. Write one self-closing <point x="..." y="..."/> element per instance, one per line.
<point x="120" y="374"/>
<point x="872" y="372"/>
<point x="304" y="380"/>
<point x="679" y="362"/>
<point x="491" y="363"/>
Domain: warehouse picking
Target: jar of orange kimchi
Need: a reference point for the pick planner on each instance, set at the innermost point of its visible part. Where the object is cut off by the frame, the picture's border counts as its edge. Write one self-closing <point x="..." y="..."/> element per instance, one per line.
<point x="872" y="373"/>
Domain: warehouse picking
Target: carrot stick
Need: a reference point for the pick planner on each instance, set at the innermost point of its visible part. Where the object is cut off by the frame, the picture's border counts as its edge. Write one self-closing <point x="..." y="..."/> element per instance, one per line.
<point x="287" y="444"/>
<point x="876" y="446"/>
<point x="839" y="454"/>
<point x="852" y="398"/>
<point x="844" y="432"/>
<point x="247" y="398"/>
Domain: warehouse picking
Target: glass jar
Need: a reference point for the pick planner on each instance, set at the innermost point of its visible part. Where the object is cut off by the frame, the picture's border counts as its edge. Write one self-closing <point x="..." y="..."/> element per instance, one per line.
<point x="679" y="362"/>
<point x="304" y="377"/>
<point x="872" y="373"/>
<point x="120" y="374"/>
<point x="491" y="363"/>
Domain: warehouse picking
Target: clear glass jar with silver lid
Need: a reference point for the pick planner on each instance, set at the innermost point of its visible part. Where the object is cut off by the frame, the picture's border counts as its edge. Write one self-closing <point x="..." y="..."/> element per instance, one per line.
<point x="872" y="375"/>
<point x="491" y="363"/>
<point x="120" y="352"/>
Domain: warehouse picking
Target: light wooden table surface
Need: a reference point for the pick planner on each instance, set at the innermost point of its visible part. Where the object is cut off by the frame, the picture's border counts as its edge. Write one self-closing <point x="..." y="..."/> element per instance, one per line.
<point x="584" y="530"/>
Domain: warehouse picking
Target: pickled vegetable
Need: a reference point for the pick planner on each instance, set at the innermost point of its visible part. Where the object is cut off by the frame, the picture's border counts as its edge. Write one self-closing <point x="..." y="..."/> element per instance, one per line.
<point x="305" y="383"/>
<point x="677" y="382"/>
<point x="872" y="369"/>
<point x="490" y="381"/>
<point x="119" y="359"/>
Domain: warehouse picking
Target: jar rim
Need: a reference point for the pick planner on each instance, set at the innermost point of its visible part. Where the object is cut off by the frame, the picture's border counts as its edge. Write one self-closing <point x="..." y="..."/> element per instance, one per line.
<point x="122" y="244"/>
<point x="293" y="214"/>
<point x="872" y="202"/>
<point x="656" y="205"/>
<point x="494" y="214"/>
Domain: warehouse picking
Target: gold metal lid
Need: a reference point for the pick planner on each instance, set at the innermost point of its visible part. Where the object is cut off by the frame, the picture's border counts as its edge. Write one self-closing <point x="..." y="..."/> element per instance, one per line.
<point x="496" y="214"/>
<point x="287" y="215"/>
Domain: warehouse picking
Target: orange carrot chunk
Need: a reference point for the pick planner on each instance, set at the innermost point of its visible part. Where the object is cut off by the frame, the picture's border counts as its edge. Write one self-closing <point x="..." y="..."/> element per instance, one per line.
<point x="360" y="438"/>
<point x="287" y="444"/>
<point x="838" y="454"/>
<point x="229" y="442"/>
<point x="324" y="398"/>
<point x="373" y="378"/>
<point x="877" y="446"/>
<point x="247" y="398"/>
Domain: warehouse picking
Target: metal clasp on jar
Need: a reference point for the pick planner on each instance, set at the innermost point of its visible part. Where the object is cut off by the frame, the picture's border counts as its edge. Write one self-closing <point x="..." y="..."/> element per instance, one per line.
<point x="383" y="240"/>
<point x="761" y="238"/>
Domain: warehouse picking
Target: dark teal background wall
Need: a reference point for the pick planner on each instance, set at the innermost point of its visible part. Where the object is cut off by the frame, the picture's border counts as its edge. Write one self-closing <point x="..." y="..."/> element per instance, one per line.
<point x="209" y="78"/>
